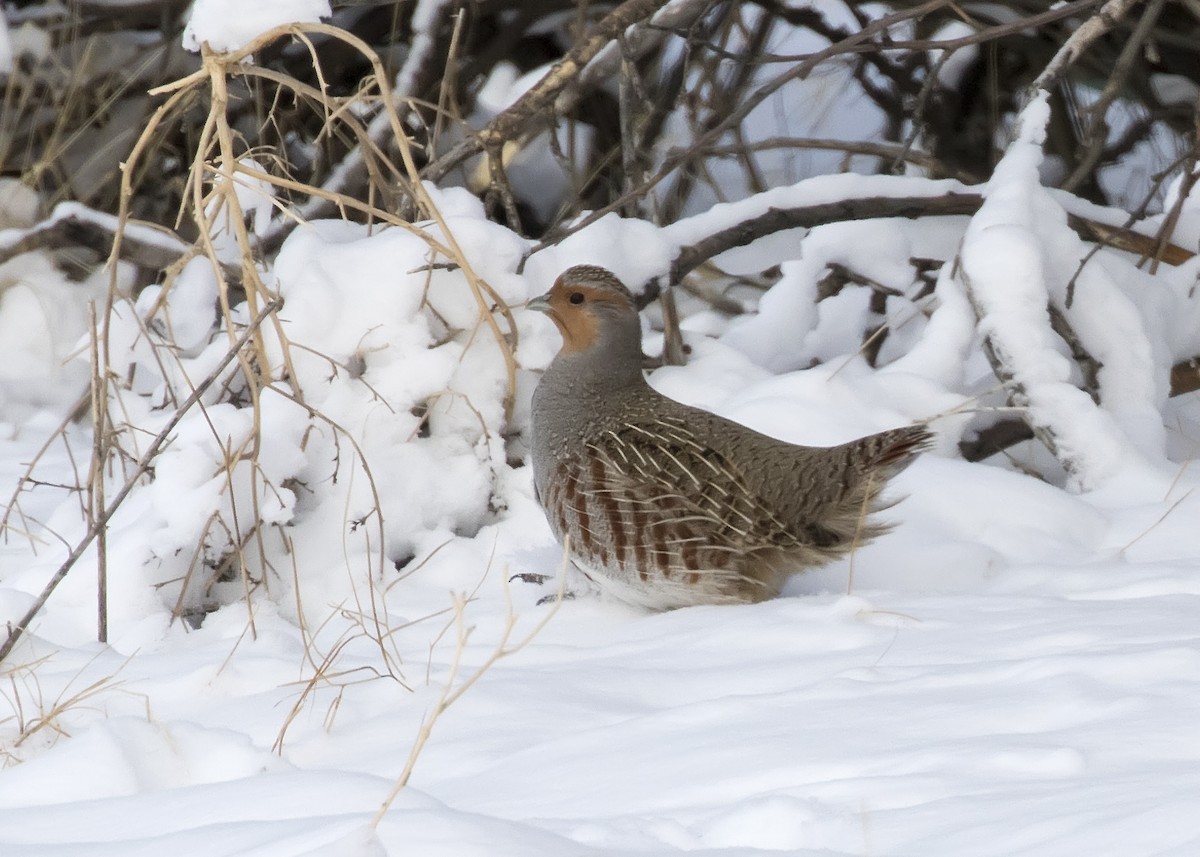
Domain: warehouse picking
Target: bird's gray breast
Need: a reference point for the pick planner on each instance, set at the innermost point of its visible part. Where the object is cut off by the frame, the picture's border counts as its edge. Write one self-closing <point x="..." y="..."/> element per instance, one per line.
<point x="558" y="424"/>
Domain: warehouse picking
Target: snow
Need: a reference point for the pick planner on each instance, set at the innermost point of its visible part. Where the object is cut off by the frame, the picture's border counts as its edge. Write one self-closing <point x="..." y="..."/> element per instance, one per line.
<point x="1005" y="262"/>
<point x="226" y="25"/>
<point x="323" y="557"/>
<point x="608" y="243"/>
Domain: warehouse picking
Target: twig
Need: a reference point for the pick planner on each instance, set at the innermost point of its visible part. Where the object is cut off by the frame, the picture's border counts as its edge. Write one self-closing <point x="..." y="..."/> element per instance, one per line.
<point x="745" y="106"/>
<point x="896" y="154"/>
<point x="16" y="630"/>
<point x="99" y="393"/>
<point x="451" y="693"/>
<point x="673" y="351"/>
<point x="79" y="407"/>
<point x="1098" y="133"/>
<point x="1161" y="518"/>
<point x="537" y="101"/>
<point x="1187" y="184"/>
<point x="986" y="34"/>
<point x="1072" y="49"/>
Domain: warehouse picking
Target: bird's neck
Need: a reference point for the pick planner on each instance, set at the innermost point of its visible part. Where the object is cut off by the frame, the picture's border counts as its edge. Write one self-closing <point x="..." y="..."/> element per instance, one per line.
<point x="582" y="394"/>
<point x="609" y="365"/>
<point x="609" y="370"/>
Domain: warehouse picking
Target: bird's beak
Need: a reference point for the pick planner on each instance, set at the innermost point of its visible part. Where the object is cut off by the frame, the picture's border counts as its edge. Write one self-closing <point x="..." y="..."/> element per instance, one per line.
<point x="541" y="303"/>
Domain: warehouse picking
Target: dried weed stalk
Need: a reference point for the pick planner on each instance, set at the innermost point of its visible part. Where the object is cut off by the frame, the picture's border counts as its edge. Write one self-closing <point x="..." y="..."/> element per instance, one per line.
<point x="220" y="170"/>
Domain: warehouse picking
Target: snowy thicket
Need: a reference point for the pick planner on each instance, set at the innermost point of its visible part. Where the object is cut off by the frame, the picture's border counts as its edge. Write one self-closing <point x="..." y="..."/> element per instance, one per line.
<point x="382" y="425"/>
<point x="312" y="469"/>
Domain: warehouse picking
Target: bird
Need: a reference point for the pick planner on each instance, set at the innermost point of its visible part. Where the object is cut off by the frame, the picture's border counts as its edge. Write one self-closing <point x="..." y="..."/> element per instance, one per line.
<point x="664" y="505"/>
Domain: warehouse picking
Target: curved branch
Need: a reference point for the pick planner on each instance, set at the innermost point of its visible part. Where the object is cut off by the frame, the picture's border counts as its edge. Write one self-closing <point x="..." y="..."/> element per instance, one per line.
<point x="965" y="203"/>
<point x="146" y="245"/>
<point x="777" y="219"/>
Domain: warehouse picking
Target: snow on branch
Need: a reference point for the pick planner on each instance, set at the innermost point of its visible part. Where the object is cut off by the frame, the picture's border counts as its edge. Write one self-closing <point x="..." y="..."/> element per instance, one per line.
<point x="812" y="202"/>
<point x="72" y="224"/>
<point x="849" y="196"/>
<point x="1005" y="271"/>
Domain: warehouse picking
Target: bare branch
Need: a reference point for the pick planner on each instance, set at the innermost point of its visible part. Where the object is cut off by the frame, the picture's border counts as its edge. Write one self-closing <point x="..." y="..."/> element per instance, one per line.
<point x="535" y="104"/>
<point x="1074" y="47"/>
<point x="1098" y="133"/>
<point x="995" y="438"/>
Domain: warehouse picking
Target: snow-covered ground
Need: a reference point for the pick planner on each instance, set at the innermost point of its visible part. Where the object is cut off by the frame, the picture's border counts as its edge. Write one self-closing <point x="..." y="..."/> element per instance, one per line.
<point x="315" y="647"/>
<point x="1035" y="704"/>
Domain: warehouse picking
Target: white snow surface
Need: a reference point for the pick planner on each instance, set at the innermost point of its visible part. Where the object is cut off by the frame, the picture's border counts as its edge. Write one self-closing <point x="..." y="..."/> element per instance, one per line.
<point x="1014" y="670"/>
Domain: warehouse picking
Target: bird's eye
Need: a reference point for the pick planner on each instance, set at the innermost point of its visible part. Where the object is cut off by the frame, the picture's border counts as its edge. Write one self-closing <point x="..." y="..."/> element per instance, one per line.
<point x="576" y="297"/>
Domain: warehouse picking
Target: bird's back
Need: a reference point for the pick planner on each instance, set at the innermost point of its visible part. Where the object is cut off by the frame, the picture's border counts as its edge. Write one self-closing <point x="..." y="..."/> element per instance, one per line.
<point x="821" y="495"/>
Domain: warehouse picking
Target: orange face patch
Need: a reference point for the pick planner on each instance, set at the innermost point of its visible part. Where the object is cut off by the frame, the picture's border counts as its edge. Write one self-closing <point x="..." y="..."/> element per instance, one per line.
<point x="570" y="309"/>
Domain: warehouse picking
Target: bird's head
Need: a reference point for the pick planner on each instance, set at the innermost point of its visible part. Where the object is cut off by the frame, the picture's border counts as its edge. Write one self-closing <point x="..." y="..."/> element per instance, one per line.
<point x="591" y="308"/>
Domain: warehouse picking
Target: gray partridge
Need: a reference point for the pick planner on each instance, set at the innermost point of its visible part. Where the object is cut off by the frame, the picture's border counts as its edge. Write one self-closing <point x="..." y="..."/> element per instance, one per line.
<point x="668" y="505"/>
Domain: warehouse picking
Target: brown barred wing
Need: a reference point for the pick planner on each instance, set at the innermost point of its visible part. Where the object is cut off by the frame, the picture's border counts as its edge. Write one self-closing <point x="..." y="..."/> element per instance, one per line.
<point x="679" y="513"/>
